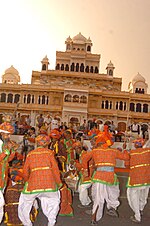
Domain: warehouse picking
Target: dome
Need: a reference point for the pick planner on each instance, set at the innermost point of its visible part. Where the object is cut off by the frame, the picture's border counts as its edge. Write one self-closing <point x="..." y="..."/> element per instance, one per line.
<point x="138" y="78"/>
<point x="11" y="70"/>
<point x="69" y="39"/>
<point x="110" y="64"/>
<point x="79" y="38"/>
<point x="45" y="58"/>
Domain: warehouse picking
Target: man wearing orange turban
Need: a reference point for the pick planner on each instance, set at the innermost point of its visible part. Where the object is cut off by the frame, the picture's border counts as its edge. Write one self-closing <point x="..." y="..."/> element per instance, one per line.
<point x="42" y="177"/>
<point x="105" y="184"/>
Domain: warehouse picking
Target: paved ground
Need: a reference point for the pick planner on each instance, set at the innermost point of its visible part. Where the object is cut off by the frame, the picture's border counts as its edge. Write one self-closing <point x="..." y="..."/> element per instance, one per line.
<point x="80" y="218"/>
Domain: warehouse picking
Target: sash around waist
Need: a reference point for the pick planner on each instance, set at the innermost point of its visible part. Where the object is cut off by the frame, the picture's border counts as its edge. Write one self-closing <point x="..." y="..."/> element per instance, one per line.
<point x="105" y="168"/>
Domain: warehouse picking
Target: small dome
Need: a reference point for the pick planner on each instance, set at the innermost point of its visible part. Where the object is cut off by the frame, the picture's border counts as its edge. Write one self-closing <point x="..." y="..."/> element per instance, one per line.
<point x="110" y="64"/>
<point x="79" y="38"/>
<point x="138" y="78"/>
<point x="11" y="70"/>
<point x="45" y="58"/>
<point x="68" y="39"/>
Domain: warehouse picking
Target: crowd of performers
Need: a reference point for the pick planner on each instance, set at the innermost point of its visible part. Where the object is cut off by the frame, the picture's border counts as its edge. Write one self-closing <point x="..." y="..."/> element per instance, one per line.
<point x="39" y="176"/>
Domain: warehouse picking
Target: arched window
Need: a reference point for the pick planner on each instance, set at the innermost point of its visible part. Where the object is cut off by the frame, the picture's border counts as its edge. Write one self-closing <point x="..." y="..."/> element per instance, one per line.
<point x="125" y="106"/>
<point x="78" y="49"/>
<point x="17" y="97"/>
<point x="43" y="99"/>
<point x="143" y="91"/>
<point x="132" y="106"/>
<point x="28" y="98"/>
<point x="44" y="67"/>
<point x="72" y="67"/>
<point x="47" y="100"/>
<point x="68" y="98"/>
<point x="102" y="104"/>
<point x="110" y="104"/>
<point x="82" y="67"/>
<point x="96" y="70"/>
<point x="68" y="46"/>
<point x="87" y="69"/>
<point x="24" y="99"/>
<point x="138" y="107"/>
<point x="10" y="98"/>
<point x="32" y="99"/>
<point x="117" y="105"/>
<point x="3" y="97"/>
<point x="121" y="106"/>
<point x="39" y="99"/>
<point x="145" y="108"/>
<point x="76" y="98"/>
<point x="88" y="48"/>
<point x="91" y="70"/>
<point x="106" y="104"/>
<point x="77" y="67"/>
<point x="83" y="99"/>
<point x="67" y="67"/>
<point x="57" y="66"/>
<point x="62" y="67"/>
<point x="111" y="72"/>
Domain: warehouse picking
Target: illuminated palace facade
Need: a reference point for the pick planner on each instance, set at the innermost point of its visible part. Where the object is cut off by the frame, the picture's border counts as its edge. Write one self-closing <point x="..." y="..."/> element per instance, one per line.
<point x="76" y="90"/>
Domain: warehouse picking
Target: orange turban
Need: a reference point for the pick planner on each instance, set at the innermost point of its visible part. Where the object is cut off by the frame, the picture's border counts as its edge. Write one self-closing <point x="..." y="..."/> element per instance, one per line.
<point x="54" y="134"/>
<point x="43" y="130"/>
<point x="7" y="127"/>
<point x="42" y="140"/>
<point x="139" y="142"/>
<point x="77" y="144"/>
<point x="105" y="138"/>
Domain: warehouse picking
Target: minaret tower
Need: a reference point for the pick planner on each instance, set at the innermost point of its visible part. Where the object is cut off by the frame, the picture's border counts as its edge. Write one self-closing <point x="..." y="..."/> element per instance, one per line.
<point x="45" y="63"/>
<point x="110" y="69"/>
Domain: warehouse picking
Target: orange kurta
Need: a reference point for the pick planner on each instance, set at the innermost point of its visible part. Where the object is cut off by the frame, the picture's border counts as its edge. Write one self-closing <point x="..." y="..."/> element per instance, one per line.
<point x="104" y="160"/>
<point x="41" y="172"/>
<point x="139" y="174"/>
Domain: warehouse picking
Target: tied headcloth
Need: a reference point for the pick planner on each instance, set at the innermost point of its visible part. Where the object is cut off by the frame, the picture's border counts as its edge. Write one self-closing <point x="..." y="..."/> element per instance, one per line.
<point x="104" y="138"/>
<point x="139" y="142"/>
<point x="68" y="131"/>
<point x="43" y="130"/>
<point x="7" y="127"/>
<point x="16" y="174"/>
<point x="54" y="134"/>
<point x="42" y="140"/>
<point x="93" y="132"/>
<point x="77" y="144"/>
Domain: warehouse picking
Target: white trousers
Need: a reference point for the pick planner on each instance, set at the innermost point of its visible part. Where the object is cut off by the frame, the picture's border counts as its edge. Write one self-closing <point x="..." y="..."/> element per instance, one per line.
<point x="137" y="199"/>
<point x="102" y="193"/>
<point x="2" y="203"/>
<point x="83" y="194"/>
<point x="49" y="202"/>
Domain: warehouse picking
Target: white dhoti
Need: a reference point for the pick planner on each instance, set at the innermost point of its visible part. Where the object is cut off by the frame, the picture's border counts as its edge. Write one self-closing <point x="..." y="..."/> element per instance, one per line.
<point x="2" y="203"/>
<point x="102" y="193"/>
<point x="83" y="194"/>
<point x="137" y="199"/>
<point x="49" y="202"/>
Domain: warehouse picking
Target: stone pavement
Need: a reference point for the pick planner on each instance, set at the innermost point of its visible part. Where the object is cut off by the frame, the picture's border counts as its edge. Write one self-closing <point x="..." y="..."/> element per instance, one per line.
<point x="80" y="218"/>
